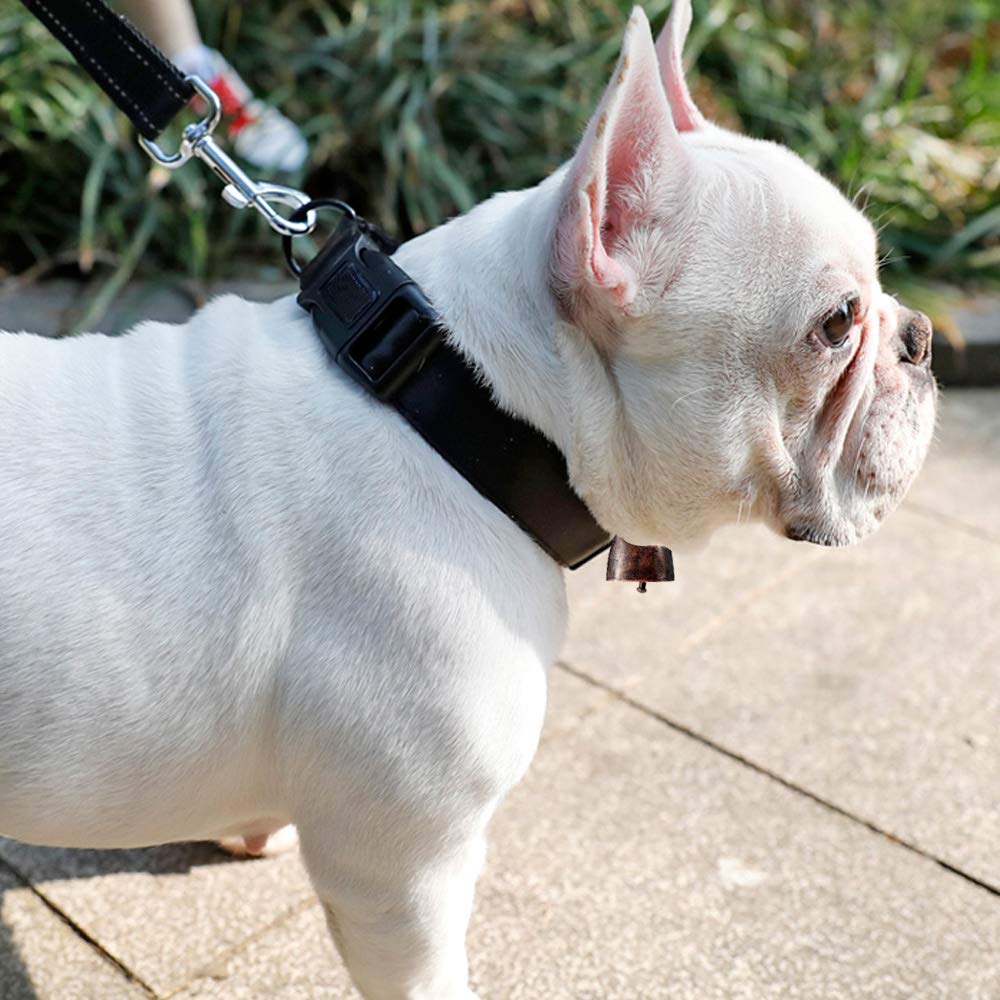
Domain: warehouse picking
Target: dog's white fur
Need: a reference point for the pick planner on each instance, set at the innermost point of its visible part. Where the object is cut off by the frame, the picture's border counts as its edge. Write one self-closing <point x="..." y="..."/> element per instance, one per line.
<point x="236" y="592"/>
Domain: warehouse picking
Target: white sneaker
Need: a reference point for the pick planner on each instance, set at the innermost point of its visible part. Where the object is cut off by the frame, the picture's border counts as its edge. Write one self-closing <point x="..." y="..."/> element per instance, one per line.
<point x="261" y="134"/>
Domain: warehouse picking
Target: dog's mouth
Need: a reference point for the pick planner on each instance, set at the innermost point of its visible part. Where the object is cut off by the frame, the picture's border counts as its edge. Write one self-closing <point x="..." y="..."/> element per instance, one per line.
<point x="805" y="533"/>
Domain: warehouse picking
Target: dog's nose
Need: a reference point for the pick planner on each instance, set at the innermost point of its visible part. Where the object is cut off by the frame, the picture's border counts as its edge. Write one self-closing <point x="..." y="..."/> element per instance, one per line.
<point x="915" y="333"/>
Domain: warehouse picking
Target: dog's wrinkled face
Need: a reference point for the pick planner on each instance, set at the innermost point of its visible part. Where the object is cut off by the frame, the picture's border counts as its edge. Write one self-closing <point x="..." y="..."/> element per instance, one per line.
<point x="733" y="293"/>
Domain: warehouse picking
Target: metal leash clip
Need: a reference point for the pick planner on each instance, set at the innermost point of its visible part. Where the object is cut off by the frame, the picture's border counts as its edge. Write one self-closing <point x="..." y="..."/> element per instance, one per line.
<point x="240" y="189"/>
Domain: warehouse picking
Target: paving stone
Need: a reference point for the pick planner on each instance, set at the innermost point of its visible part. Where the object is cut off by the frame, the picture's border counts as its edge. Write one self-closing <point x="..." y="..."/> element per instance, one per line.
<point x="872" y="678"/>
<point x="635" y="862"/>
<point x="165" y="913"/>
<point x="294" y="961"/>
<point x="631" y="635"/>
<point x="962" y="478"/>
<point x="42" y="958"/>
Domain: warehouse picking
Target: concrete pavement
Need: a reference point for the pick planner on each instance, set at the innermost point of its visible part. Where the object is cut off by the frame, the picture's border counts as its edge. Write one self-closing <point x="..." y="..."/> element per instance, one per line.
<point x="778" y="777"/>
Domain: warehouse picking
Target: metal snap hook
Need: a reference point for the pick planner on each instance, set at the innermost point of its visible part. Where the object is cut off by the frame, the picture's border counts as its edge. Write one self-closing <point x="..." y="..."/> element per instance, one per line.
<point x="241" y="190"/>
<point x="300" y="223"/>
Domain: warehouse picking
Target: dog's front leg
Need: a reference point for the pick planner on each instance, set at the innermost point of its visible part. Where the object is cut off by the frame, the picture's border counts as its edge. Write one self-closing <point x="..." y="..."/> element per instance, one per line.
<point x="399" y="919"/>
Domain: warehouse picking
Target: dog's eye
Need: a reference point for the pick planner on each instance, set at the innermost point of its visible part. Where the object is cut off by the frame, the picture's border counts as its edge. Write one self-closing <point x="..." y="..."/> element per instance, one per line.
<point x="838" y="325"/>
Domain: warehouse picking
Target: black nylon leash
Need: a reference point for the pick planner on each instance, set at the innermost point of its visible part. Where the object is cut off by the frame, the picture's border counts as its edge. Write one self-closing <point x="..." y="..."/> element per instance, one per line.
<point x="125" y="64"/>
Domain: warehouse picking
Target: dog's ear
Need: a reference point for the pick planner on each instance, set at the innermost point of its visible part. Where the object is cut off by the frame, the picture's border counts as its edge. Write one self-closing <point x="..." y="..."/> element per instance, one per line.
<point x="627" y="152"/>
<point x="669" y="47"/>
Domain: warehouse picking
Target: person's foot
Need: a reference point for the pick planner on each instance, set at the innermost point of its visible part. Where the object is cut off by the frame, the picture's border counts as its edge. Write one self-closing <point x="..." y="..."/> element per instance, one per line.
<point x="260" y="133"/>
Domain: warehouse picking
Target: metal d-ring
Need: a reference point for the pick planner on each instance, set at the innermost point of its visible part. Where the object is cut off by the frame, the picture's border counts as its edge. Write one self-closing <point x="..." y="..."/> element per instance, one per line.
<point x="310" y="208"/>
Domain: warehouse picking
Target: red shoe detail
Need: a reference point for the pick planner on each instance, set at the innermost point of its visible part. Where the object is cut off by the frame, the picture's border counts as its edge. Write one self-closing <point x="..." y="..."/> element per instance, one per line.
<point x="232" y="104"/>
<point x="240" y="122"/>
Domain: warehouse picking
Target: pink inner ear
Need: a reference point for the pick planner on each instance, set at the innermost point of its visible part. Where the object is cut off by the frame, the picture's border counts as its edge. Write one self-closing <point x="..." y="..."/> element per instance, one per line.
<point x="686" y="116"/>
<point x="629" y="141"/>
<point x="669" y="46"/>
<point x="606" y="271"/>
<point x="630" y="135"/>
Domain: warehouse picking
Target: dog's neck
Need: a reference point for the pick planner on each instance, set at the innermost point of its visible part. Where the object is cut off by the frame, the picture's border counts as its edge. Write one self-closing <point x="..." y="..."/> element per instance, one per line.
<point x="487" y="272"/>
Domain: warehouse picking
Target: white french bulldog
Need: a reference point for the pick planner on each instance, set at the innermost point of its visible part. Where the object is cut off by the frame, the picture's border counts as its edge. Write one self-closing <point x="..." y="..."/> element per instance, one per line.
<point x="238" y="593"/>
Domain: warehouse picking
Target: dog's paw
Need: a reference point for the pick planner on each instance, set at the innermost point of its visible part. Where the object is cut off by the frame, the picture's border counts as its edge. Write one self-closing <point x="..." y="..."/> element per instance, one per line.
<point x="262" y="845"/>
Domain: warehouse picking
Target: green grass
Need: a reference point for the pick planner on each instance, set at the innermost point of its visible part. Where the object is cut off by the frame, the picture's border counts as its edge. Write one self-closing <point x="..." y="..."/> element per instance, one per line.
<point x="415" y="111"/>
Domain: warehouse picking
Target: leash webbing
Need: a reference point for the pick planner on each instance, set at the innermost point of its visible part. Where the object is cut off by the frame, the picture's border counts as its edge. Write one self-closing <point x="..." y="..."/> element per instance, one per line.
<point x="125" y="64"/>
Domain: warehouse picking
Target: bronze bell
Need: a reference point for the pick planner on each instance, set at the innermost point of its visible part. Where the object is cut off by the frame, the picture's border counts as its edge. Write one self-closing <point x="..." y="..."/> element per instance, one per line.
<point x="641" y="563"/>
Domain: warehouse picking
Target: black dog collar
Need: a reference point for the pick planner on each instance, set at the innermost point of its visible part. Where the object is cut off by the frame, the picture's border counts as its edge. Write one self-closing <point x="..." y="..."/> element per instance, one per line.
<point x="381" y="329"/>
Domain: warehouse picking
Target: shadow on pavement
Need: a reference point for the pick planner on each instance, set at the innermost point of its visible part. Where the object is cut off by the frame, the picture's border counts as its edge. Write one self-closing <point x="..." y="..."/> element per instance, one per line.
<point x="15" y="981"/>
<point x="39" y="864"/>
<point x="26" y="863"/>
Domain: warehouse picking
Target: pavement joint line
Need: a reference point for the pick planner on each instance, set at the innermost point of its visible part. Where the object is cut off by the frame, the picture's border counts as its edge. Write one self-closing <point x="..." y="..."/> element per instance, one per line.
<point x="738" y="758"/>
<point x="922" y="510"/>
<point x="79" y="931"/>
<point x="237" y="949"/>
<point x="741" y="604"/>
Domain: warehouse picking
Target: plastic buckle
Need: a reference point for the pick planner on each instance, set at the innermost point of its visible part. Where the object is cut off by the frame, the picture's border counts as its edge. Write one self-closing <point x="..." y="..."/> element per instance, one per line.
<point x="371" y="316"/>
